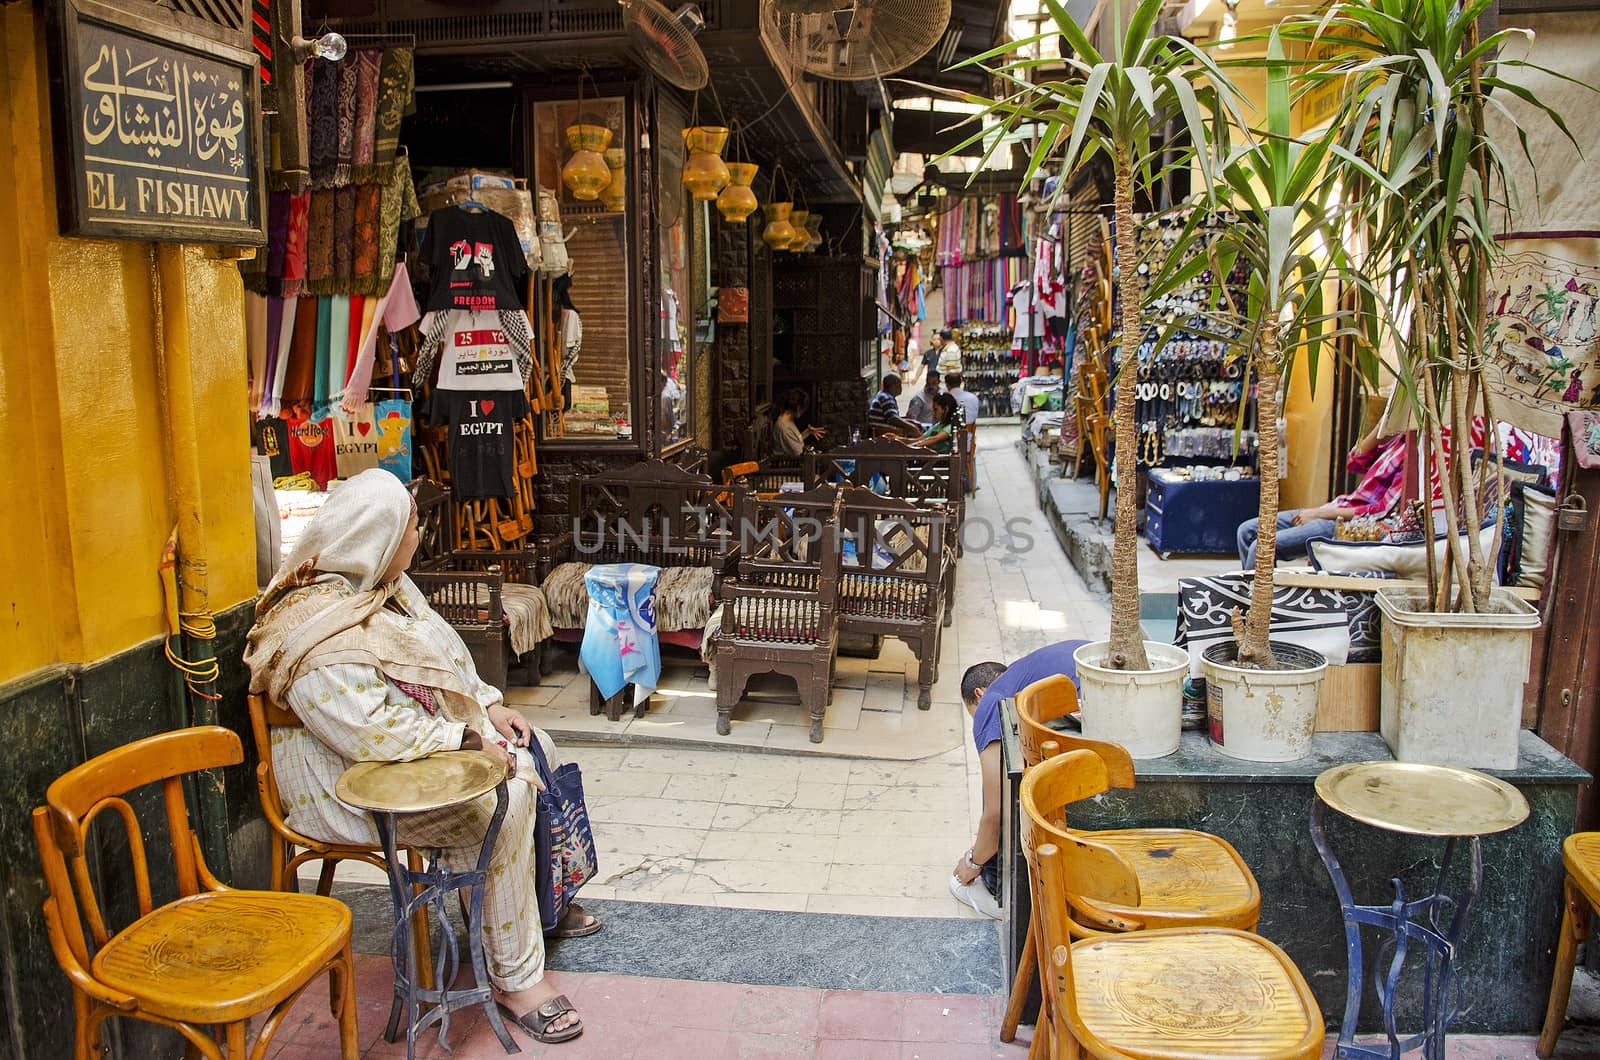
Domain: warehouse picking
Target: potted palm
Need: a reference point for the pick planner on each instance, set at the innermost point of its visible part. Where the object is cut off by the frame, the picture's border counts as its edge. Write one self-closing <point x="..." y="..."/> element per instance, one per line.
<point x="1262" y="696"/>
<point x="1416" y="78"/>
<point x="1124" y="105"/>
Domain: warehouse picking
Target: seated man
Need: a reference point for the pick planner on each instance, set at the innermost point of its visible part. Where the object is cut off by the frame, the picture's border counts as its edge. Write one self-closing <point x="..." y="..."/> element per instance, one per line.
<point x="921" y="407"/>
<point x="883" y="414"/>
<point x="976" y="880"/>
<point x="964" y="397"/>
<point x="1380" y="462"/>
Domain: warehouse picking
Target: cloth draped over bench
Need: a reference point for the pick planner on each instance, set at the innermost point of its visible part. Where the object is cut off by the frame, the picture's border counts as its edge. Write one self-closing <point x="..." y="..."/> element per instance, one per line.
<point x="683" y="597"/>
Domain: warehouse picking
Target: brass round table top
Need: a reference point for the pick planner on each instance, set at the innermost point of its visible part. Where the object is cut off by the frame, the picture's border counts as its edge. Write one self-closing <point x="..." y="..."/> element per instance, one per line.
<point x="445" y="778"/>
<point x="1416" y="799"/>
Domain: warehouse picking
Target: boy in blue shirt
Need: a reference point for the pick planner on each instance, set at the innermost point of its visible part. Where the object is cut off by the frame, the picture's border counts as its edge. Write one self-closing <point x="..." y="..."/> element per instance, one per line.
<point x="975" y="881"/>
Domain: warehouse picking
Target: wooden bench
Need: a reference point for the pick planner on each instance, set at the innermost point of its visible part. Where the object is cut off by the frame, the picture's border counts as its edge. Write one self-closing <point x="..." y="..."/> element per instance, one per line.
<point x="896" y="573"/>
<point x="918" y="476"/>
<point x="469" y="590"/>
<point x="652" y="512"/>
<point x="779" y="613"/>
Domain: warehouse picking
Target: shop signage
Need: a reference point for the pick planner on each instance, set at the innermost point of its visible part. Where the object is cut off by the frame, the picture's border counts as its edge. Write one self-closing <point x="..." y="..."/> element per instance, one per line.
<point x="158" y="130"/>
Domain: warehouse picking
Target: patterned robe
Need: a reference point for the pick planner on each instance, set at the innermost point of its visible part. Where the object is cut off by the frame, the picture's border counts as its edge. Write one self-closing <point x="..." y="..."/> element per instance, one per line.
<point x="352" y="713"/>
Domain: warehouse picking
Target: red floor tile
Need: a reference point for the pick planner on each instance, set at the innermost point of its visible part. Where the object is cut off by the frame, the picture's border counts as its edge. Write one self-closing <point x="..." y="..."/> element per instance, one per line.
<point x="857" y="1049"/>
<point x="704" y="1006"/>
<point x="949" y="1018"/>
<point x="771" y="1047"/>
<point x="780" y="1010"/>
<point x="861" y="1015"/>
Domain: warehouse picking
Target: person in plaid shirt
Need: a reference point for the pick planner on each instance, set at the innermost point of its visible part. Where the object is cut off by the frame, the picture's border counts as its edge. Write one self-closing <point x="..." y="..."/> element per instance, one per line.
<point x="1381" y="463"/>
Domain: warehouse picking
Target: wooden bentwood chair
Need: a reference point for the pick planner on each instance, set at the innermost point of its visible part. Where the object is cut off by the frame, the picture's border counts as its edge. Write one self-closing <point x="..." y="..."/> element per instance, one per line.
<point x="1166" y="993"/>
<point x="284" y="841"/>
<point x="1581" y="856"/>
<point x="213" y="958"/>
<point x="1185" y="878"/>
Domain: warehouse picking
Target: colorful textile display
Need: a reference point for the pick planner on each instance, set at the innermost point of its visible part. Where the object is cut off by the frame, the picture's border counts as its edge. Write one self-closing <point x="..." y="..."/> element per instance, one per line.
<point x="619" y="638"/>
<point x="1543" y="335"/>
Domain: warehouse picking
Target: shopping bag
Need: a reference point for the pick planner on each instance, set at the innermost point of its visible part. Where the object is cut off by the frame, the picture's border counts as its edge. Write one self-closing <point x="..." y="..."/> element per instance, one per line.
<point x="392" y="419"/>
<point x="563" y="840"/>
<point x="355" y="441"/>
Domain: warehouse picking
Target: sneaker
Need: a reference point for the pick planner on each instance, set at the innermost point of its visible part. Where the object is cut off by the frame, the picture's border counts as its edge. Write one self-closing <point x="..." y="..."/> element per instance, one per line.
<point x="977" y="897"/>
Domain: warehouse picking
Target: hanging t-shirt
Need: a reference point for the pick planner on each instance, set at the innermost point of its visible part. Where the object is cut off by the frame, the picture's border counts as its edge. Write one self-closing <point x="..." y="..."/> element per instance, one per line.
<point x="477" y="260"/>
<point x="482" y="448"/>
<point x="355" y="442"/>
<point x="271" y="440"/>
<point x="311" y="449"/>
<point x="475" y="353"/>
<point x="1028" y="329"/>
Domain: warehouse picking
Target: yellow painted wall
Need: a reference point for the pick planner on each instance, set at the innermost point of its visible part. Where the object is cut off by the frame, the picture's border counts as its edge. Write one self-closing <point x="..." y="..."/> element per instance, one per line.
<point x="86" y="497"/>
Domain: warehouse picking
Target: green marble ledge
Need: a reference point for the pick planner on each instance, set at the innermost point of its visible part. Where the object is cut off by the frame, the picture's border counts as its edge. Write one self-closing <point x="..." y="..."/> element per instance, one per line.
<point x="1264" y="811"/>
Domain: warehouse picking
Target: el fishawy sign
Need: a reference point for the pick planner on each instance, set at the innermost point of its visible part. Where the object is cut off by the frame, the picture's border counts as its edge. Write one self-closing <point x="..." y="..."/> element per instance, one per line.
<point x="158" y="130"/>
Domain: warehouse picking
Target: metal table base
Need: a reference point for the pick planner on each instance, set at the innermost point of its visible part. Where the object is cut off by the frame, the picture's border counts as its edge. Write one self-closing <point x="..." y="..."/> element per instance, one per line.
<point x="436" y="882"/>
<point x="1437" y="922"/>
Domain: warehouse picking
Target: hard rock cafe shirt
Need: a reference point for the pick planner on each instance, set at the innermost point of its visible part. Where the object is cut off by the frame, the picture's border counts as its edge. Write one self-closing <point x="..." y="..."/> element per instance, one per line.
<point x="481" y="444"/>
<point x="477" y="260"/>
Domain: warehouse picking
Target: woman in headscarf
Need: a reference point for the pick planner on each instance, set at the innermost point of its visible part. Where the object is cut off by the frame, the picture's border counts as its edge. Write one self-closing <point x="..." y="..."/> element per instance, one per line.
<point x="347" y="642"/>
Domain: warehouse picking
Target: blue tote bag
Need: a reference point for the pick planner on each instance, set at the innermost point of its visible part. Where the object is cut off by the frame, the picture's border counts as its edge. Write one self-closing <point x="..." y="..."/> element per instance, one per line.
<point x="563" y="840"/>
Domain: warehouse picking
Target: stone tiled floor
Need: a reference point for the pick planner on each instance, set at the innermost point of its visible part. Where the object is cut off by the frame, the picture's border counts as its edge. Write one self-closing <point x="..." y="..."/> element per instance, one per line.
<point x="671" y="1019"/>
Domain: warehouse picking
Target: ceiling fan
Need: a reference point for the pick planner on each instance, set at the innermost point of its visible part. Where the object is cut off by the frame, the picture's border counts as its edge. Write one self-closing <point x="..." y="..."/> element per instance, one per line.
<point x="665" y="40"/>
<point x="854" y="40"/>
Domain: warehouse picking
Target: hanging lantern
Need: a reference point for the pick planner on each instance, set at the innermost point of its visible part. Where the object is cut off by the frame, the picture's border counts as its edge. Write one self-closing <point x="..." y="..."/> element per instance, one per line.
<point x="704" y="172"/>
<point x="779" y="233"/>
<point x="615" y="195"/>
<point x="586" y="172"/>
<point x="813" y="232"/>
<point x="797" y="221"/>
<point x="737" y="200"/>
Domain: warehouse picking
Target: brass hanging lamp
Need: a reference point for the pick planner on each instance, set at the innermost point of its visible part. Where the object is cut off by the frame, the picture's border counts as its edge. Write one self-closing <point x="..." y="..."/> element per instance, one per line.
<point x="586" y="172"/>
<point x="615" y="195"/>
<point x="705" y="174"/>
<point x="797" y="221"/>
<point x="779" y="233"/>
<point x="738" y="200"/>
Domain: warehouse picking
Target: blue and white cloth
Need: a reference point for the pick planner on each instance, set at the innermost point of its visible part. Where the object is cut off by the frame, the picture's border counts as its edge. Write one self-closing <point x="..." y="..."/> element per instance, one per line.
<point x="620" y="646"/>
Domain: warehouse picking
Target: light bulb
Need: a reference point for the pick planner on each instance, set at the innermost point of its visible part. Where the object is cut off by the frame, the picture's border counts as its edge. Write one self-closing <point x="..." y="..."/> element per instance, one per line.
<point x="332" y="47"/>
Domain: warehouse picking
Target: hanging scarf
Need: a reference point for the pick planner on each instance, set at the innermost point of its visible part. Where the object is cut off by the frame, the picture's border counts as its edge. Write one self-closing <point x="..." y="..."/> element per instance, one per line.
<point x="344" y="239"/>
<point x="369" y="64"/>
<point x="398" y="205"/>
<point x="296" y="245"/>
<point x="319" y="365"/>
<point x="325" y="605"/>
<point x="319" y="253"/>
<point x="396" y="82"/>
<point x="322" y="120"/>
<point x="364" y="268"/>
<point x="302" y="362"/>
<point x="346" y="114"/>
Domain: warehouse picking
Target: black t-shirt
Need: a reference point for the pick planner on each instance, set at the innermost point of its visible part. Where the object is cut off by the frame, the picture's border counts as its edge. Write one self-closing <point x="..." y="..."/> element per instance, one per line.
<point x="482" y="447"/>
<point x="477" y="260"/>
<point x="271" y="440"/>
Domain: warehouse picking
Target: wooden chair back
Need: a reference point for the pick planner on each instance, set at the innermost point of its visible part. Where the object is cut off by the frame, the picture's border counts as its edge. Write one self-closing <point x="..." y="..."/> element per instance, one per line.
<point x="787" y="587"/>
<point x="76" y="798"/>
<point x="436" y="525"/>
<point x="1054" y="698"/>
<point x="970" y="437"/>
<point x="1064" y="864"/>
<point x="651" y="512"/>
<point x="734" y="472"/>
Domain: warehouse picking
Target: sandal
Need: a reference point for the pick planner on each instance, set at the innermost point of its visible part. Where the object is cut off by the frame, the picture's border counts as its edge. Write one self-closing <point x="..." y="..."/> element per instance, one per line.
<point x="559" y="932"/>
<point x="536" y="1021"/>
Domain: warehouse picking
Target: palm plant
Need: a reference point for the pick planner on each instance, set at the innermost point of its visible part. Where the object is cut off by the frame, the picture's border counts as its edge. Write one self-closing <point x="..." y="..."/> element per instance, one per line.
<point x="1417" y="79"/>
<point x="1119" y="104"/>
<point x="1284" y="192"/>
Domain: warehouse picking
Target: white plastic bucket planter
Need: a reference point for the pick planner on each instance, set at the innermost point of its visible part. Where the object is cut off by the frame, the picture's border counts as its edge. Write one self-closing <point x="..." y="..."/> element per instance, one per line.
<point x="1263" y="715"/>
<point x="1452" y="683"/>
<point x="1140" y="709"/>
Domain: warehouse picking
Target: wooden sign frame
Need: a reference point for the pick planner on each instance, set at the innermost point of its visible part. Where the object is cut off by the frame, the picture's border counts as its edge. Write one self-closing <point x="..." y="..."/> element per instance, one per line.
<point x="154" y="198"/>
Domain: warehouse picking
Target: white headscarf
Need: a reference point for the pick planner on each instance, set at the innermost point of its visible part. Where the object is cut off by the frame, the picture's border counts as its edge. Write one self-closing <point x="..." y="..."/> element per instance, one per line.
<point x="326" y="604"/>
<point x="355" y="533"/>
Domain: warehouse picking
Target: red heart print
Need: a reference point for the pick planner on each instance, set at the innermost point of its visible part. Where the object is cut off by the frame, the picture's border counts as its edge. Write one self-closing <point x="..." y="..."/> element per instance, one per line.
<point x="487" y="406"/>
<point x="363" y="427"/>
